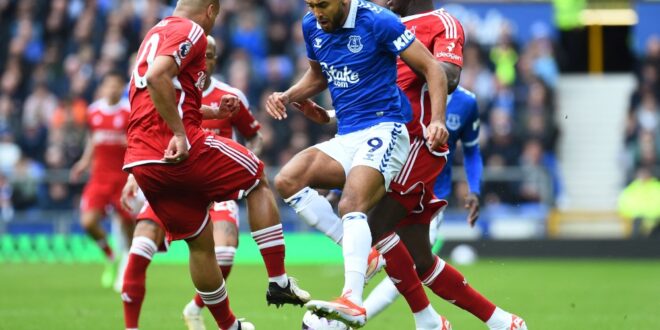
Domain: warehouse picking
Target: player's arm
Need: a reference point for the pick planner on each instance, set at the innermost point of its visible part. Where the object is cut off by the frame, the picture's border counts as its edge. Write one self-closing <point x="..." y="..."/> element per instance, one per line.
<point x="473" y="165"/>
<point x="128" y="193"/>
<point x="255" y="143"/>
<point x="229" y="105"/>
<point x="453" y="73"/>
<point x="421" y="61"/>
<point x="85" y="160"/>
<point x="161" y="90"/>
<point x="311" y="83"/>
<point x="315" y="112"/>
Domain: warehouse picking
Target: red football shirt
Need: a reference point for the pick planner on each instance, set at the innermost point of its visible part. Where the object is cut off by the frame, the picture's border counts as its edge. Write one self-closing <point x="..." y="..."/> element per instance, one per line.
<point x="107" y="127"/>
<point x="148" y="134"/>
<point x="243" y="120"/>
<point x="443" y="35"/>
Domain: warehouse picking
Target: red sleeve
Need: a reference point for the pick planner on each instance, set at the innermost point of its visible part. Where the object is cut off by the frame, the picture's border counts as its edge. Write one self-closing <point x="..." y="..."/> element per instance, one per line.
<point x="183" y="40"/>
<point x="245" y="122"/>
<point x="448" y="45"/>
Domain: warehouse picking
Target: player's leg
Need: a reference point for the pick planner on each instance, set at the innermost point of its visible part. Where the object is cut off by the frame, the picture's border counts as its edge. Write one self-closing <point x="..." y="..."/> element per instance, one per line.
<point x="262" y="209"/>
<point x="225" y="235"/>
<point x="449" y="284"/>
<point x="379" y="155"/>
<point x="312" y="168"/>
<point x="233" y="172"/>
<point x="400" y="265"/>
<point x="207" y="278"/>
<point x="90" y="220"/>
<point x="147" y="237"/>
<point x="123" y="227"/>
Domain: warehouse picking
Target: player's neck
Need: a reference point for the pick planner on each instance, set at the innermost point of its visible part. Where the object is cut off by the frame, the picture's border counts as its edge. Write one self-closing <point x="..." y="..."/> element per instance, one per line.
<point x="112" y="101"/>
<point x="187" y="13"/>
<point x="347" y="9"/>
<point x="419" y="8"/>
<point x="207" y="83"/>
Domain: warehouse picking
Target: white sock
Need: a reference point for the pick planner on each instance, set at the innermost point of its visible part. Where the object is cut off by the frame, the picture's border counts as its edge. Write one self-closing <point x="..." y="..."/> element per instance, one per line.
<point x="317" y="212"/>
<point x="383" y="295"/>
<point x="281" y="280"/>
<point x="499" y="319"/>
<point x="192" y="308"/>
<point x="224" y="255"/>
<point x="433" y="228"/>
<point x="427" y="318"/>
<point x="356" y="247"/>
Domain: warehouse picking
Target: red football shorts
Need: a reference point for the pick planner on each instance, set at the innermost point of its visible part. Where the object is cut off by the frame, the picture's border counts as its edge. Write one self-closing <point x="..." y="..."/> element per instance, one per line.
<point x="413" y="186"/>
<point x="217" y="169"/>
<point x="224" y="211"/>
<point x="98" y="194"/>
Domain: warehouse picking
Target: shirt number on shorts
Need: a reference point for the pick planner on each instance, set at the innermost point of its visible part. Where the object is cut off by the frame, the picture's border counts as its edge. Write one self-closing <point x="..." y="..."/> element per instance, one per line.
<point x="375" y="143"/>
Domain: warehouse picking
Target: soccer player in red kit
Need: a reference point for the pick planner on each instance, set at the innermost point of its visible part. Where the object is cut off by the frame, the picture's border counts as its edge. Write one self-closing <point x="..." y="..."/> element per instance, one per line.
<point x="182" y="169"/>
<point x="107" y="120"/>
<point x="224" y="215"/>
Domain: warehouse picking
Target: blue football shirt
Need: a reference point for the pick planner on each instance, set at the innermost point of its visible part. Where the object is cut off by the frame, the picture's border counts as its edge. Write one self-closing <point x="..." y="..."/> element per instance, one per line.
<point x="359" y="62"/>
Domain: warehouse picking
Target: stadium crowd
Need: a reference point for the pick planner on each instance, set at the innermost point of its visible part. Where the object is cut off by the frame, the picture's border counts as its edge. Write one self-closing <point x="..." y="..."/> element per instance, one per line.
<point x="57" y="51"/>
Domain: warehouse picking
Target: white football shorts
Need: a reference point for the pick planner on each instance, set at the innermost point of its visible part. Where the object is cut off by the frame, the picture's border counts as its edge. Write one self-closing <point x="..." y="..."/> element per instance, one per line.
<point x="384" y="147"/>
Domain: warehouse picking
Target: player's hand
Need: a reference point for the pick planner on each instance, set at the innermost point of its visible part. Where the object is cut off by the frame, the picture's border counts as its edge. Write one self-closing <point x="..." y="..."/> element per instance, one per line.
<point x="177" y="149"/>
<point x="276" y="105"/>
<point x="128" y="194"/>
<point x="436" y="134"/>
<point x="229" y="105"/>
<point x="77" y="171"/>
<point x="472" y="205"/>
<point x="312" y="111"/>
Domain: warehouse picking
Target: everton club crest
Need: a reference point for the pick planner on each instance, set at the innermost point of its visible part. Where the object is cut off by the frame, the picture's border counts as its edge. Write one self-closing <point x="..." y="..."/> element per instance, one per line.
<point x="355" y="44"/>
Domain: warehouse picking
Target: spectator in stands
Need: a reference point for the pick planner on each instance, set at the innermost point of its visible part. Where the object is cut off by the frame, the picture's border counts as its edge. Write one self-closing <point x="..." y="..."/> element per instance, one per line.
<point x="639" y="204"/>
<point x="6" y="207"/>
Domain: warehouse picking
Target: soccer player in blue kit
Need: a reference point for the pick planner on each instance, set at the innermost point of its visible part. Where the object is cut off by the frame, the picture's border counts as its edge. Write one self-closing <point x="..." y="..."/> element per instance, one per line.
<point x="352" y="48"/>
<point x="463" y="124"/>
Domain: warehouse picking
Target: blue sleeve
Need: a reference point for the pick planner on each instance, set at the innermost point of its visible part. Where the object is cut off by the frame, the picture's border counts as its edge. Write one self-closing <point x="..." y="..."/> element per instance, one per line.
<point x="391" y="33"/>
<point x="471" y="152"/>
<point x="307" y="23"/>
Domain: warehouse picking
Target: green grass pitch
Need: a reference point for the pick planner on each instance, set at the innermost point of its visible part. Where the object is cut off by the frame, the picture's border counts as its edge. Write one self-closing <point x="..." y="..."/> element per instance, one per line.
<point x="552" y="294"/>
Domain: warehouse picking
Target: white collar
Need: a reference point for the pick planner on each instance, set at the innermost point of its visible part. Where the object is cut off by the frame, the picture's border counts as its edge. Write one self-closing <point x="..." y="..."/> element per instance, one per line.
<point x="350" y="19"/>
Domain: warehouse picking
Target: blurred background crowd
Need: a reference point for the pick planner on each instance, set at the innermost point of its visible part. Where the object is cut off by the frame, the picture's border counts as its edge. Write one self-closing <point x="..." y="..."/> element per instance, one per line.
<point x="56" y="51"/>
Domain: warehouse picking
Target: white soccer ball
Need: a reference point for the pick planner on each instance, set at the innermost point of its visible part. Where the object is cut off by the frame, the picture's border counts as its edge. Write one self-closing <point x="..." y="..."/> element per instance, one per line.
<point x="311" y="321"/>
<point x="463" y="254"/>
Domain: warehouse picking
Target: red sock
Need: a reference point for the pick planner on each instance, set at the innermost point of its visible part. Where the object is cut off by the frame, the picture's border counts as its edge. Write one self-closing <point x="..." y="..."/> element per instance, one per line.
<point x="401" y="269"/>
<point x="449" y="284"/>
<point x="226" y="270"/>
<point x="198" y="300"/>
<point x="218" y="304"/>
<point x="107" y="250"/>
<point x="271" y="245"/>
<point x="135" y="276"/>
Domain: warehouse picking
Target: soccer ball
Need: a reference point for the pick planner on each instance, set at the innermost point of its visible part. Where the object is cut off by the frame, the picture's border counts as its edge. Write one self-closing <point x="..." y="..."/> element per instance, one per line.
<point x="463" y="254"/>
<point x="312" y="322"/>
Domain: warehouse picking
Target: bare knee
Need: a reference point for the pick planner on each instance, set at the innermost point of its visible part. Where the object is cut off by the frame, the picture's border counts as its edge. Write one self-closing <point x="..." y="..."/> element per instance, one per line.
<point x="352" y="203"/>
<point x="150" y="230"/>
<point x="90" y="219"/>
<point x="225" y="233"/>
<point x="286" y="185"/>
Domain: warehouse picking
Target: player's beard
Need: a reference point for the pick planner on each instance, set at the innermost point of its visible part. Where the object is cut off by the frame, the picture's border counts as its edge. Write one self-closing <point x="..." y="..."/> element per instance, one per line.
<point x="336" y="19"/>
